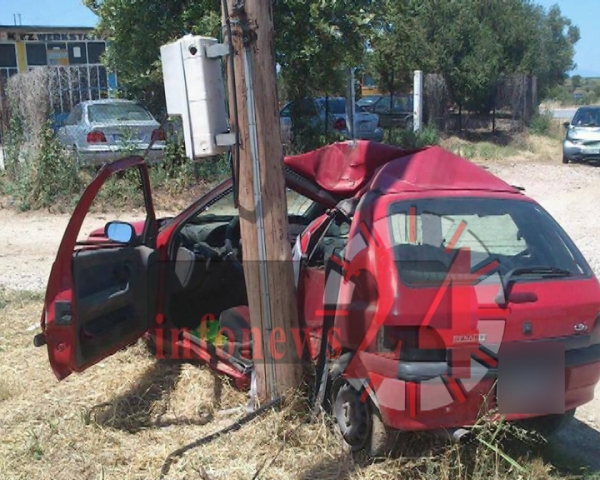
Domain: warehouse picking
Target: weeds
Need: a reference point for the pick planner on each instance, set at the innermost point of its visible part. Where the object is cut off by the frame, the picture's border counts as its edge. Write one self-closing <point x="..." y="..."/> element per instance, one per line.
<point x="541" y="124"/>
<point x="410" y="139"/>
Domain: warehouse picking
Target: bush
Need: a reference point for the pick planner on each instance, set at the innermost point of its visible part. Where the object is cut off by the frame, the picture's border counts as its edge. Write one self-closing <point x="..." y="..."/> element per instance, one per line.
<point x="410" y="139"/>
<point x="541" y="124"/>
<point x="51" y="177"/>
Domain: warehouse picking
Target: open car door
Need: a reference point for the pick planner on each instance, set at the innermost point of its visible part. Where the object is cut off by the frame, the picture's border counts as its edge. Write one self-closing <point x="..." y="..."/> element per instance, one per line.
<point x="101" y="294"/>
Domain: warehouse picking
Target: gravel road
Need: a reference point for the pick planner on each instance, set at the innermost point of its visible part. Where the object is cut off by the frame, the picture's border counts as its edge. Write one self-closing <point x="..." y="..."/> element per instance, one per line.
<point x="571" y="193"/>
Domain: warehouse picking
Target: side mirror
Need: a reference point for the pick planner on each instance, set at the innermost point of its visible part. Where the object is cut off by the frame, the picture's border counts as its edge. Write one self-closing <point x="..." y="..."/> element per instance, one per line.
<point x="119" y="232"/>
<point x="567" y="124"/>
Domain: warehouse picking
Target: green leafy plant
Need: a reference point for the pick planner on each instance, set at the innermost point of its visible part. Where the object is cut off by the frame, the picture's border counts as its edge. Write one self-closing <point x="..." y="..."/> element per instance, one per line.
<point x="410" y="139"/>
<point x="541" y="124"/>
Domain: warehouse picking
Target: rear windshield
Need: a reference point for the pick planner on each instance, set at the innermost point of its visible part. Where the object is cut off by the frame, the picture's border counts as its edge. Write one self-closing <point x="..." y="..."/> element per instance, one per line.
<point x="117" y="112"/>
<point x="427" y="234"/>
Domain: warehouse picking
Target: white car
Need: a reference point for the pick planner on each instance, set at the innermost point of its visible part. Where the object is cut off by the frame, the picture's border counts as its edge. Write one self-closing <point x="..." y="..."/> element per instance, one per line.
<point x="101" y="131"/>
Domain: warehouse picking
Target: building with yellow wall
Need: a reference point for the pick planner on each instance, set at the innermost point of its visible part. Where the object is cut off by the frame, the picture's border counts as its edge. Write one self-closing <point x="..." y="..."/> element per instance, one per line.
<point x="74" y="52"/>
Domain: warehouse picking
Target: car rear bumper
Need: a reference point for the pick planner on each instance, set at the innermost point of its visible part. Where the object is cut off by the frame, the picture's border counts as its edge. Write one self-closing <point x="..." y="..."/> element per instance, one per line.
<point x="426" y="398"/>
<point x="573" y="151"/>
<point x="96" y="156"/>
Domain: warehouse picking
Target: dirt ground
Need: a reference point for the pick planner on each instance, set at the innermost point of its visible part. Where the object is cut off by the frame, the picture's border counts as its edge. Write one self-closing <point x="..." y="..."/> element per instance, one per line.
<point x="141" y="404"/>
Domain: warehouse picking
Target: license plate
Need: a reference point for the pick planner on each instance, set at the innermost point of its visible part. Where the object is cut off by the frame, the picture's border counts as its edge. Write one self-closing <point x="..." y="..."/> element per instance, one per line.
<point x="531" y="381"/>
<point x="592" y="151"/>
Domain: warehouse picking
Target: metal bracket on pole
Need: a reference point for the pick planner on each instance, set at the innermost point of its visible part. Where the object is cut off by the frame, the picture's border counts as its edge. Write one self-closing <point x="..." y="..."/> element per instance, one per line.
<point x="225" y="139"/>
<point x="218" y="50"/>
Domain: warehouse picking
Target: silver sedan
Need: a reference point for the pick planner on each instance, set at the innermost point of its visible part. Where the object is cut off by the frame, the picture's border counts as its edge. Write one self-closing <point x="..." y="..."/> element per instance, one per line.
<point x="582" y="141"/>
<point x="102" y="131"/>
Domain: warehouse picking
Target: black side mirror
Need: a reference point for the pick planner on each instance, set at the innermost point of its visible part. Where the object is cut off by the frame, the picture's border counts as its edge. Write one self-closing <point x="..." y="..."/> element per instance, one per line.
<point x="119" y="232"/>
<point x="566" y="124"/>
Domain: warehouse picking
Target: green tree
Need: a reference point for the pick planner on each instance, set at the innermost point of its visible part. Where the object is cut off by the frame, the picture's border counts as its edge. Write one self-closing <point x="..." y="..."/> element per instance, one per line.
<point x="471" y="43"/>
<point x="576" y="81"/>
<point x="136" y="30"/>
<point x="314" y="40"/>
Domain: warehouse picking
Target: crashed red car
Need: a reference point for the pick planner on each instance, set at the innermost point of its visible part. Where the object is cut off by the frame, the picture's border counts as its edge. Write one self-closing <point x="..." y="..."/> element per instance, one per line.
<point x="429" y="292"/>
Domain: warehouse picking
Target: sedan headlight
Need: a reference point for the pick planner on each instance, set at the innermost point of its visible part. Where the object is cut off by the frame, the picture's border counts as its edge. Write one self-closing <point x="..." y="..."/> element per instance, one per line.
<point x="573" y="139"/>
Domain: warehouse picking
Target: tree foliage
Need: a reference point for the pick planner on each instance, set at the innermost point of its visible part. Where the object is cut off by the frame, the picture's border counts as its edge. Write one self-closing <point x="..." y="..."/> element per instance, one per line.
<point x="470" y="42"/>
<point x="313" y="39"/>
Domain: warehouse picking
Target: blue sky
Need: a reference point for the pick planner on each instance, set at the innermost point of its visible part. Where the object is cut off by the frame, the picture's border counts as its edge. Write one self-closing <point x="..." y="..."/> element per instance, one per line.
<point x="584" y="13"/>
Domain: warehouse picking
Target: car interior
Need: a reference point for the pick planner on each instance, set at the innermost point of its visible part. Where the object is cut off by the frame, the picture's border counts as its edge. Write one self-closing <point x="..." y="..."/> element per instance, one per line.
<point x="207" y="273"/>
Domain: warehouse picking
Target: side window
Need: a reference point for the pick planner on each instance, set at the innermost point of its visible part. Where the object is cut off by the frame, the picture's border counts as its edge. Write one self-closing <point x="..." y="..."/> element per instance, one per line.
<point x="383" y="105"/>
<point x="493" y="234"/>
<point x="401" y="104"/>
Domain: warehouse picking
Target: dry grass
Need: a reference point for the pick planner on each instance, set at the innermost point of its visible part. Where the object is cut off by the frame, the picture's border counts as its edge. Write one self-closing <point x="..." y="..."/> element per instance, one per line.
<point x="520" y="148"/>
<point x="124" y="417"/>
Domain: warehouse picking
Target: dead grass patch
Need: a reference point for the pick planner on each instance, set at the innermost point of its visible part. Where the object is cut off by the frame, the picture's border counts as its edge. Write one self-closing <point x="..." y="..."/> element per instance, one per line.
<point x="521" y="148"/>
<point x="124" y="417"/>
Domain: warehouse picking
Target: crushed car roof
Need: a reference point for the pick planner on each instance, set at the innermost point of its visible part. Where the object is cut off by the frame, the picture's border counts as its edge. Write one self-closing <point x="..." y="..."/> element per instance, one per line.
<point x="345" y="168"/>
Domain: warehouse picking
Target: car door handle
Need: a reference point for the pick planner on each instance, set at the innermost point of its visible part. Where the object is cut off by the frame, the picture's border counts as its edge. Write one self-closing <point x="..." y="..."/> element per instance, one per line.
<point x="122" y="274"/>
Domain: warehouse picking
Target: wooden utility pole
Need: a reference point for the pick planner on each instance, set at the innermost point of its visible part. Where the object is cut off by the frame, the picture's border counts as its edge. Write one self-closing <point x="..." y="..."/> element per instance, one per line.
<point x="262" y="199"/>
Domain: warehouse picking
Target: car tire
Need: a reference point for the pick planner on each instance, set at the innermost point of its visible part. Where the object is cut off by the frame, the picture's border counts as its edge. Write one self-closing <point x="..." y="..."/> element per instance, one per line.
<point x="358" y="422"/>
<point x="547" y="425"/>
<point x="565" y="159"/>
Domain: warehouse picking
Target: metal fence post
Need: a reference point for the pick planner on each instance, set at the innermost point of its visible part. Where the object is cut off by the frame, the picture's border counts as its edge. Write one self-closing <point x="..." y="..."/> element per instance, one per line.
<point x="418" y="101"/>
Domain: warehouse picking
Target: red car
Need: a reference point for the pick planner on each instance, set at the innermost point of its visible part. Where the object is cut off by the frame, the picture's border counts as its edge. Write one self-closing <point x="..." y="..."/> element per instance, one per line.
<point x="441" y="292"/>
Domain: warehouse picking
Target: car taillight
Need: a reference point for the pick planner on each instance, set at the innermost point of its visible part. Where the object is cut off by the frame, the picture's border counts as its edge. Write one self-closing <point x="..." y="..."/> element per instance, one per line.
<point x="158" y="135"/>
<point x="96" y="136"/>
<point x="339" y="124"/>
<point x="412" y="344"/>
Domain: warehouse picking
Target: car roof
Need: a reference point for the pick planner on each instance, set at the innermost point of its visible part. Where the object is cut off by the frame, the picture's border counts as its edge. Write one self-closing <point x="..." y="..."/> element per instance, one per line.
<point x="589" y="108"/>
<point x="346" y="168"/>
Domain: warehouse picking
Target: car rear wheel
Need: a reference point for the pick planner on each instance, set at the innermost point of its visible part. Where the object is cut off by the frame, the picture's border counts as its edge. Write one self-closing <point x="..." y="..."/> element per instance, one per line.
<point x="358" y="422"/>
<point x="547" y="425"/>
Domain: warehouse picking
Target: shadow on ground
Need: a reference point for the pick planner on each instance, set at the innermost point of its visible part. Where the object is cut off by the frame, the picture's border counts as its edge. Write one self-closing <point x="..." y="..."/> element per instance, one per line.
<point x="145" y="403"/>
<point x="575" y="449"/>
<point x="499" y="137"/>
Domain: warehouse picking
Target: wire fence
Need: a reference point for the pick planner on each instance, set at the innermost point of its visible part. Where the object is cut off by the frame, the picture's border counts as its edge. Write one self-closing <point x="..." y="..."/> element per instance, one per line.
<point x="511" y="105"/>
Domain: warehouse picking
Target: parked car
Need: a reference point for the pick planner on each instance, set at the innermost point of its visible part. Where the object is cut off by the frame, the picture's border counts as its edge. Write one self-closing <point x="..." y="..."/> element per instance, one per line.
<point x="99" y="131"/>
<point x="315" y="111"/>
<point x="419" y="275"/>
<point x="582" y="140"/>
<point x="400" y="116"/>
